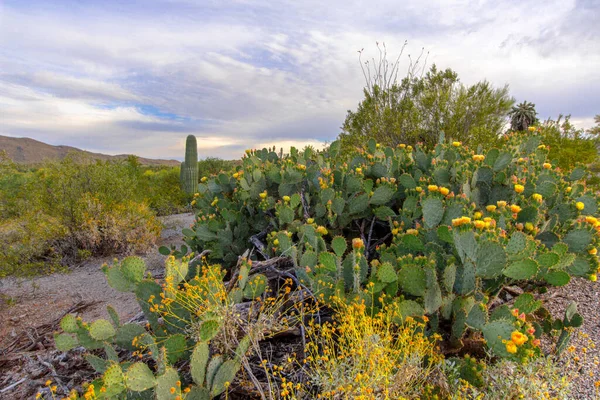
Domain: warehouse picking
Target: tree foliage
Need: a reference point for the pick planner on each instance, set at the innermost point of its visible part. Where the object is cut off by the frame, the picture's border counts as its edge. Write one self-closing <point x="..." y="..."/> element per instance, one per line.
<point x="422" y="105"/>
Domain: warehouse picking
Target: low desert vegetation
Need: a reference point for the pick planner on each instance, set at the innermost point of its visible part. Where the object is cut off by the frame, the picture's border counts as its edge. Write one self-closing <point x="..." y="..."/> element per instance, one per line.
<point x="62" y="212"/>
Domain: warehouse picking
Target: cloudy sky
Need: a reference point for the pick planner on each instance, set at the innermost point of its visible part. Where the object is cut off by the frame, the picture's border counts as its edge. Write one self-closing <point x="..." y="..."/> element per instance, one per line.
<point x="137" y="76"/>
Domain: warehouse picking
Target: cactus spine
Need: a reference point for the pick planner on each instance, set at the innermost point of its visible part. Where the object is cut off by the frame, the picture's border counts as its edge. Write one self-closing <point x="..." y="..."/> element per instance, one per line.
<point x="189" y="168"/>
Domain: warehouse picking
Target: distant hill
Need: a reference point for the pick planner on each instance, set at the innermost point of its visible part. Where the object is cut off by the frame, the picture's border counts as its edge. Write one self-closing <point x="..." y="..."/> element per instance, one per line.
<point x="30" y="151"/>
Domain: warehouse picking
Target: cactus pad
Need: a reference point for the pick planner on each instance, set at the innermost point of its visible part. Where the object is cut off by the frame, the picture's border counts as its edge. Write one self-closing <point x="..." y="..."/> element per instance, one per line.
<point x="133" y="268"/>
<point x="224" y="376"/>
<point x="69" y="323"/>
<point x="114" y="380"/>
<point x="65" y="342"/>
<point x="166" y="385"/>
<point x="198" y="363"/>
<point x="139" y="377"/>
<point x="101" y="329"/>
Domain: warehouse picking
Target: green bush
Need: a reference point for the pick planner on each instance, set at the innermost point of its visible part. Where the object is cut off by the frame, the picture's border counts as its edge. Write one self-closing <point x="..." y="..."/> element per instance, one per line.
<point x="66" y="210"/>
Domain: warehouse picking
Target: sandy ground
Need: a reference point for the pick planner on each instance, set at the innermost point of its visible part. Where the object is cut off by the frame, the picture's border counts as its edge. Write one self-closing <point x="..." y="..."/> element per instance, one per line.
<point x="33" y="302"/>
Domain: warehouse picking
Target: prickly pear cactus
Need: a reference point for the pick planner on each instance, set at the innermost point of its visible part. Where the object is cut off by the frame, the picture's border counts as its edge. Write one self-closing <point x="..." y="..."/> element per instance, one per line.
<point x="443" y="228"/>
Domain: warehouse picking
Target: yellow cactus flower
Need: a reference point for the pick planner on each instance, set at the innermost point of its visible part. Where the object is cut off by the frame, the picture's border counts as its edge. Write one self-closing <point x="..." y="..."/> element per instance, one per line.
<point x="444" y="191"/>
<point x="529" y="226"/>
<point x="395" y="231"/>
<point x="547" y="165"/>
<point x="412" y="232"/>
<point x="491" y="208"/>
<point x="477" y="215"/>
<point x="263" y="195"/>
<point x="276" y="242"/>
<point x="531" y="129"/>
<point x="456" y="144"/>
<point x="479" y="224"/>
<point x="419" y="189"/>
<point x="542" y="147"/>
<point x="518" y="338"/>
<point x="357" y="243"/>
<point x="537" y="197"/>
<point x="580" y="206"/>
<point x="478" y="157"/>
<point x="286" y="199"/>
<point x="501" y="203"/>
<point x="402" y="145"/>
<point x="432" y="188"/>
<point x="569" y="188"/>
<point x="593" y="251"/>
<point x="511" y="347"/>
<point x="519" y="188"/>
<point x="593" y="277"/>
<point x="461" y="221"/>
<point x="358" y="170"/>
<point x="310" y="220"/>
<point x="204" y="179"/>
<point x="409" y="148"/>
<point x="322" y="230"/>
<point x="235" y="176"/>
<point x="515" y="208"/>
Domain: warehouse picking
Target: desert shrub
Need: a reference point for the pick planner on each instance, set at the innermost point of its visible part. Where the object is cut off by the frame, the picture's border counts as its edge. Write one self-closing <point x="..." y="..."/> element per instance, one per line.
<point x="213" y="165"/>
<point x="162" y="191"/>
<point x="29" y="245"/>
<point x="418" y="107"/>
<point x="363" y="355"/>
<point x="568" y="145"/>
<point x="64" y="211"/>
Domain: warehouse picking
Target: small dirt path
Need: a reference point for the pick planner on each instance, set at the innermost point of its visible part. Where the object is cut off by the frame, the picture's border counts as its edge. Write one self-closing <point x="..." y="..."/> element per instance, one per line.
<point x="40" y="300"/>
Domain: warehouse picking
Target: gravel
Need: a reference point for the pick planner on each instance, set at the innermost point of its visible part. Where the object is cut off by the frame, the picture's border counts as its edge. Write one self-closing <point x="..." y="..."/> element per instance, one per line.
<point x="587" y="296"/>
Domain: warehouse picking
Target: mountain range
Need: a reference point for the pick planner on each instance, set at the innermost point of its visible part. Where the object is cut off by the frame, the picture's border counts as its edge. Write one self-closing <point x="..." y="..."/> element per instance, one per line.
<point x="31" y="151"/>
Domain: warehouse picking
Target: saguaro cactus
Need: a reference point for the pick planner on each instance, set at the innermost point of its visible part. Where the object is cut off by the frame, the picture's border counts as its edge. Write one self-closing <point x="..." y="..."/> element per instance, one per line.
<point x="189" y="168"/>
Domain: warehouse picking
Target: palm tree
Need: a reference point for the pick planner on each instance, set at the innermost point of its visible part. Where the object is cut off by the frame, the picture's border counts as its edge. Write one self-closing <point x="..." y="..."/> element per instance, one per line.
<point x="522" y="115"/>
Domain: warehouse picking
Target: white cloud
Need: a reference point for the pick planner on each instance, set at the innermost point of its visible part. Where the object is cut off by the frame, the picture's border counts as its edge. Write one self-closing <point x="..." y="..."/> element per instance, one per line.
<point x="239" y="74"/>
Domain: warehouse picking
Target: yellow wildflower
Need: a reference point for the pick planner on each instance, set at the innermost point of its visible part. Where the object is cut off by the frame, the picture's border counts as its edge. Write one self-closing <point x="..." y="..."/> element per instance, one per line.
<point x="491" y="208"/>
<point x="501" y="203"/>
<point x="444" y="191"/>
<point x="515" y="208"/>
<point x="432" y="188"/>
<point x="580" y="206"/>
